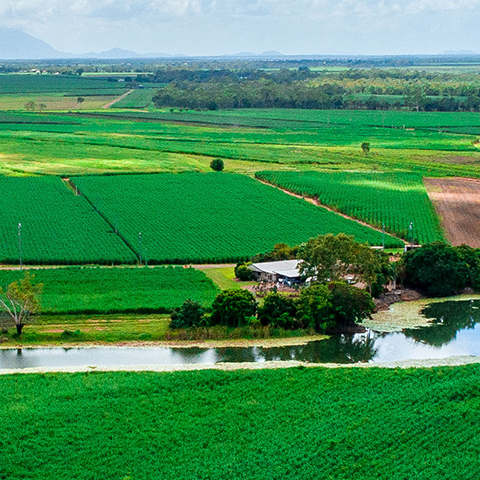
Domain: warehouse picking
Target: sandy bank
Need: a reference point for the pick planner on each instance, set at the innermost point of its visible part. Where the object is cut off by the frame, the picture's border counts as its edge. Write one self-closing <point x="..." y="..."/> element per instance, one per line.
<point x="424" y="363"/>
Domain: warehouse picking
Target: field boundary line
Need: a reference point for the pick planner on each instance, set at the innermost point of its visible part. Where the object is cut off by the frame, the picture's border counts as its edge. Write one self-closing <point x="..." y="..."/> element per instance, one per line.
<point x="121" y="97"/>
<point x="115" y="230"/>
<point x="317" y="203"/>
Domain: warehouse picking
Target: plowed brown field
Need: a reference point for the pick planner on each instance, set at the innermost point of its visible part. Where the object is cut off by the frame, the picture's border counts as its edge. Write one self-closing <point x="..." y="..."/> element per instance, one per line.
<point x="457" y="201"/>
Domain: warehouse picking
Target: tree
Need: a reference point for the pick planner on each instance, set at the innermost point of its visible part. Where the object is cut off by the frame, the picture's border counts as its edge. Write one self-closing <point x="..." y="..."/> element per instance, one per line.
<point x="415" y="97"/>
<point x="217" y="164"/>
<point x="80" y="100"/>
<point x="242" y="272"/>
<point x="350" y="304"/>
<point x="327" y="257"/>
<point x="30" y="106"/>
<point x="190" y="314"/>
<point x="277" y="310"/>
<point x="42" y="106"/>
<point x="232" y="307"/>
<point x="21" y="300"/>
<point x="314" y="308"/>
<point x="365" y="148"/>
<point x="330" y="258"/>
<point x="438" y="268"/>
<point x="281" y="251"/>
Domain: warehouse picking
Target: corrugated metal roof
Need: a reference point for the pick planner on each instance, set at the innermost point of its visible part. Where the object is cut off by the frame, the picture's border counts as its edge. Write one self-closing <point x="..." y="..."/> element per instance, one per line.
<point x="281" y="268"/>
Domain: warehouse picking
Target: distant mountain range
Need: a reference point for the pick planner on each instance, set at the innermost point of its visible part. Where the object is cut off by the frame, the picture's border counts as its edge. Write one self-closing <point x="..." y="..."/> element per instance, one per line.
<point x="18" y="45"/>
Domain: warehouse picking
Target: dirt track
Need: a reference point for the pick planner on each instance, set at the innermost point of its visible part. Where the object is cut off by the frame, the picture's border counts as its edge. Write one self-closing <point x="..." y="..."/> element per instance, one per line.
<point x="457" y="201"/>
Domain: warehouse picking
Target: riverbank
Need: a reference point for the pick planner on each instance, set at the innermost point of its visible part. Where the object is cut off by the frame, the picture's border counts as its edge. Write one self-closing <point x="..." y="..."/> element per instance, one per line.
<point x="226" y="343"/>
<point x="269" y="365"/>
<point x="409" y="314"/>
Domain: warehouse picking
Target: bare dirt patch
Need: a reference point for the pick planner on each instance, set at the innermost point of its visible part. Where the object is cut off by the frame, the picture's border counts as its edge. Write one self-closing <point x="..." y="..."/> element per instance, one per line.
<point x="457" y="201"/>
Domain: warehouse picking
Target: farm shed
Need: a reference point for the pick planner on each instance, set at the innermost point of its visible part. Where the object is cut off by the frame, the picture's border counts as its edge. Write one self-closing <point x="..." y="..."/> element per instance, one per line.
<point x="285" y="271"/>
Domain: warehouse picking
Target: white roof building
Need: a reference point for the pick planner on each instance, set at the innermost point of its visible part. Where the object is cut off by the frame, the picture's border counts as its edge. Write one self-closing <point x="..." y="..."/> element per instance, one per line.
<point x="275" y="271"/>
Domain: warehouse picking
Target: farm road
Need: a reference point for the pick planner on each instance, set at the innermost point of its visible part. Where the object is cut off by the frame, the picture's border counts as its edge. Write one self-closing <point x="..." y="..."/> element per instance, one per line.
<point x="113" y="102"/>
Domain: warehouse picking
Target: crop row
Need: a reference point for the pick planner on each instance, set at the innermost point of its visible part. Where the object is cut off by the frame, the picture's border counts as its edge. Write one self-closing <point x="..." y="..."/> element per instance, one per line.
<point x="298" y="424"/>
<point x="399" y="201"/>
<point x="43" y="222"/>
<point x="214" y="217"/>
<point x="87" y="290"/>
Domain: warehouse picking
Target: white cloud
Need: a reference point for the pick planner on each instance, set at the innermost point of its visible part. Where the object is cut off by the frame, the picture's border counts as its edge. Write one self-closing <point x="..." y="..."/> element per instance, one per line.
<point x="298" y="25"/>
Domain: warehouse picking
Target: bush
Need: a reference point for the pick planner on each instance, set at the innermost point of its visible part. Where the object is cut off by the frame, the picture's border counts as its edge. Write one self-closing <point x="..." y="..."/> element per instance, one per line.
<point x="190" y="314"/>
<point x="314" y="308"/>
<point x="278" y="310"/>
<point x="471" y="256"/>
<point x="217" y="164"/>
<point x="438" y="268"/>
<point x="350" y="304"/>
<point x="242" y="272"/>
<point x="232" y="308"/>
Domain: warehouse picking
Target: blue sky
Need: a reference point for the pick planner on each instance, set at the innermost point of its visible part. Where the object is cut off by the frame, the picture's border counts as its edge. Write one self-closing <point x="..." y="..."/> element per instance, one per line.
<point x="215" y="27"/>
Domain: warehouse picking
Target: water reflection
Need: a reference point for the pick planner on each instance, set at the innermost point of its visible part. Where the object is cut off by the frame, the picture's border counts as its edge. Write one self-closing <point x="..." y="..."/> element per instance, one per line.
<point x="448" y="319"/>
<point x="455" y="331"/>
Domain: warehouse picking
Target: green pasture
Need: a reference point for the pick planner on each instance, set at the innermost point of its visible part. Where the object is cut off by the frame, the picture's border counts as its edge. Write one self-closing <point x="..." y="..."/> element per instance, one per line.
<point x="270" y="424"/>
<point x="106" y="143"/>
<point x="55" y="101"/>
<point x="398" y="201"/>
<point x="97" y="290"/>
<point x="73" y="329"/>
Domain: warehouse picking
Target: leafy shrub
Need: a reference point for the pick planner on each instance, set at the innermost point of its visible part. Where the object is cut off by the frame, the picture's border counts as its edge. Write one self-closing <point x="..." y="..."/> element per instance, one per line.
<point x="438" y="268"/>
<point x="232" y="308"/>
<point x="190" y="314"/>
<point x="278" y="310"/>
<point x="242" y="272"/>
<point x="217" y="164"/>
<point x="349" y="304"/>
<point x="314" y="308"/>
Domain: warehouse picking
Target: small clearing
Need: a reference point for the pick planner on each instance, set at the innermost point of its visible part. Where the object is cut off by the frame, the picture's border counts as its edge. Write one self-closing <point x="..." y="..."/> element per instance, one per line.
<point x="457" y="201"/>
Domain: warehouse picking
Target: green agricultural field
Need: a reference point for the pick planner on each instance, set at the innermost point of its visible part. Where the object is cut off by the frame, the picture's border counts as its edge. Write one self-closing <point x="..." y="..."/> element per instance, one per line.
<point x="137" y="99"/>
<point x="54" y="101"/>
<point x="214" y="217"/>
<point x="66" y="84"/>
<point x="56" y="225"/>
<point x="87" y="290"/>
<point x="79" y="143"/>
<point x="300" y="424"/>
<point x="396" y="200"/>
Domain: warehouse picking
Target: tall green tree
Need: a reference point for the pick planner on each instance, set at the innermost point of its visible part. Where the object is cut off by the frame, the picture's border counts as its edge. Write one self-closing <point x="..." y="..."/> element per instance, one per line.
<point x="21" y="300"/>
<point x="232" y="307"/>
<point x="331" y="258"/>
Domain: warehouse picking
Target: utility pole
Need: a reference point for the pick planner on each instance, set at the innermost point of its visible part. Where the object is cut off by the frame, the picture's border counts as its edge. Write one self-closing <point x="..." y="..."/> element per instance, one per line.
<point x="140" y="245"/>
<point x="411" y="234"/>
<point x="20" y="244"/>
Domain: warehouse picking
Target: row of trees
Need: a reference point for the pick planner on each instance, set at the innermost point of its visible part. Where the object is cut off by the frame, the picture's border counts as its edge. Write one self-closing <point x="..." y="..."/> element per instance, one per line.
<point x="267" y="94"/>
<point x="322" y="308"/>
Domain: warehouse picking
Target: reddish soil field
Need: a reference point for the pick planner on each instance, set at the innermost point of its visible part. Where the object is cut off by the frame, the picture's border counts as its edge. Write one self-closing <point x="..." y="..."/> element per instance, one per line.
<point x="457" y="201"/>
